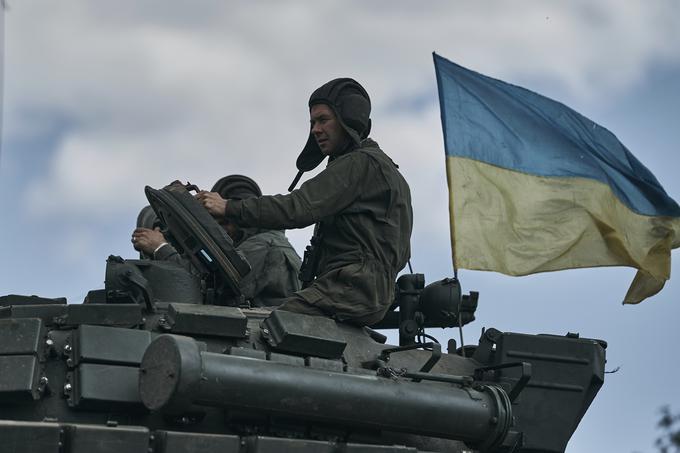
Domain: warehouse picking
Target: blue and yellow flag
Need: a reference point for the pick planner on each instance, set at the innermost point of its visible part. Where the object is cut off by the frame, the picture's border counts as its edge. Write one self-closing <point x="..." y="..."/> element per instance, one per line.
<point x="535" y="186"/>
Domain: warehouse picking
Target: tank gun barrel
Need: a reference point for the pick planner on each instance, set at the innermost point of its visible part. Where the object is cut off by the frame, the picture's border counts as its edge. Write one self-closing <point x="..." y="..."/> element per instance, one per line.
<point x="176" y="374"/>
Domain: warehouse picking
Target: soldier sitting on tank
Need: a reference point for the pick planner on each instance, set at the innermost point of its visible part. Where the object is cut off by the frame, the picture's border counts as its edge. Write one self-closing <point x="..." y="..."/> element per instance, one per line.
<point x="360" y="202"/>
<point x="273" y="260"/>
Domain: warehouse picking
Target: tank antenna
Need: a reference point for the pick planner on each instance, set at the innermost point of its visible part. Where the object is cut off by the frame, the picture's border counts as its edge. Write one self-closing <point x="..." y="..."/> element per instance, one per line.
<point x="460" y="323"/>
<point x="3" y="7"/>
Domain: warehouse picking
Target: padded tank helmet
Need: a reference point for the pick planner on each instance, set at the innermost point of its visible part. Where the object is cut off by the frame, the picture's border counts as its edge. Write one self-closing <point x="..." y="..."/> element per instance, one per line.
<point x="147" y="218"/>
<point x="352" y="107"/>
<point x="237" y="187"/>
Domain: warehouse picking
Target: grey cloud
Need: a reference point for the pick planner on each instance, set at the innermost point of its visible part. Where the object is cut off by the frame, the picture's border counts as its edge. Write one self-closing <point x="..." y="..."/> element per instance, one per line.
<point x="154" y="91"/>
<point x="157" y="91"/>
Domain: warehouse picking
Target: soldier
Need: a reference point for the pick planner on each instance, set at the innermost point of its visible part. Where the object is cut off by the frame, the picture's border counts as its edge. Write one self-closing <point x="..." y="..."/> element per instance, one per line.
<point x="147" y="236"/>
<point x="360" y="202"/>
<point x="273" y="260"/>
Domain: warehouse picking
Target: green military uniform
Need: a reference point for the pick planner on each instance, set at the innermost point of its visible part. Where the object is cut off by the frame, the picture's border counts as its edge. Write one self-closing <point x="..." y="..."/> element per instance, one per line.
<point x="364" y="206"/>
<point x="274" y="268"/>
<point x="273" y="261"/>
<point x="169" y="253"/>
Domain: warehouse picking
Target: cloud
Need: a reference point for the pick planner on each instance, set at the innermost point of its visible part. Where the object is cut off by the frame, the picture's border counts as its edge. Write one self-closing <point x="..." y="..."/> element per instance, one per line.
<point x="154" y="92"/>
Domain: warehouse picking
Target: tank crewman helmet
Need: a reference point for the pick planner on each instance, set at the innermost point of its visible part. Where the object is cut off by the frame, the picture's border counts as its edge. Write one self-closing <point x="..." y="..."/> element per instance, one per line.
<point x="352" y="107"/>
<point x="237" y="187"/>
<point x="147" y="218"/>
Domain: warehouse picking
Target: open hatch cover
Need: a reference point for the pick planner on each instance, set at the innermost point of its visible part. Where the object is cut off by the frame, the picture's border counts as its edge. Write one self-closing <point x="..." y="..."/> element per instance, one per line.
<point x="195" y="232"/>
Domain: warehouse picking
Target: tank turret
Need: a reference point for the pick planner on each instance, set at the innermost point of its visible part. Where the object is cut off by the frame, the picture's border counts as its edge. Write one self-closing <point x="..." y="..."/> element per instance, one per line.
<point x="165" y="360"/>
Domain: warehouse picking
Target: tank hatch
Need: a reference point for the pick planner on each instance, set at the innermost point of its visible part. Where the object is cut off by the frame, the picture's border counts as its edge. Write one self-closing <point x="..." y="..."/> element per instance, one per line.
<point x="193" y="231"/>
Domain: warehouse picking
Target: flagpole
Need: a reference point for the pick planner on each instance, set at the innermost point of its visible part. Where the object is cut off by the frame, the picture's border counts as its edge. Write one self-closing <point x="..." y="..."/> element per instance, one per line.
<point x="449" y="176"/>
<point x="3" y="6"/>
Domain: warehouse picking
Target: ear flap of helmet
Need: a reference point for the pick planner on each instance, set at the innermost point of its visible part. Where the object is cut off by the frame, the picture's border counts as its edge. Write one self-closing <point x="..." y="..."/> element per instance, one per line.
<point x="311" y="155"/>
<point x="353" y="112"/>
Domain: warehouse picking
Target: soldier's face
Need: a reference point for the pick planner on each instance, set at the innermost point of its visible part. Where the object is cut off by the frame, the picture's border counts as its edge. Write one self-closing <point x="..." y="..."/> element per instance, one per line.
<point x="231" y="228"/>
<point x="326" y="129"/>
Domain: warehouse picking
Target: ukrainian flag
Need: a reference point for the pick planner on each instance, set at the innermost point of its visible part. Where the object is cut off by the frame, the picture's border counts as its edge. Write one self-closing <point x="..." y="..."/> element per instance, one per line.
<point x="535" y="186"/>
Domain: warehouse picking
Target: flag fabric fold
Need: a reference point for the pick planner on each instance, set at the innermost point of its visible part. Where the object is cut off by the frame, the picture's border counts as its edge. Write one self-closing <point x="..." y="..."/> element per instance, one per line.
<point x="534" y="186"/>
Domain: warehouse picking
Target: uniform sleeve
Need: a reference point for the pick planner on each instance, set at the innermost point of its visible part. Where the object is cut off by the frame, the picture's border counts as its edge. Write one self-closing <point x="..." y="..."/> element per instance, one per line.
<point x="255" y="251"/>
<point x="170" y="254"/>
<point x="328" y="193"/>
<point x="274" y="268"/>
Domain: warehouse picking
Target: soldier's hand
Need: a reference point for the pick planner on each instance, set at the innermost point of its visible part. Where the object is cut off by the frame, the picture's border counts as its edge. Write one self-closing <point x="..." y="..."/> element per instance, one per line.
<point x="146" y="240"/>
<point x="213" y="202"/>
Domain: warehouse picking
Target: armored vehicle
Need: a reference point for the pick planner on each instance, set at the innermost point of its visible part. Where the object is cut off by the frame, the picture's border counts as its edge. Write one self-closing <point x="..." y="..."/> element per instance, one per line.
<point x="163" y="361"/>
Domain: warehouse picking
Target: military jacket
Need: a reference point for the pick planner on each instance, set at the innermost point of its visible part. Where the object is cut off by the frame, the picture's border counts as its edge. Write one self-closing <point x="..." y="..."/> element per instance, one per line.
<point x="364" y="204"/>
<point x="273" y="261"/>
<point x="274" y="268"/>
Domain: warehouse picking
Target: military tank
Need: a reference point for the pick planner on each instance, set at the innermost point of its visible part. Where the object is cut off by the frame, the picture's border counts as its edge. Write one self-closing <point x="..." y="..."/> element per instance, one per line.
<point x="163" y="361"/>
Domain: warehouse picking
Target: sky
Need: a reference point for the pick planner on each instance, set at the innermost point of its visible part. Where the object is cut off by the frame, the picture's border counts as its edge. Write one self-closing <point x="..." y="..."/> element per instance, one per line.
<point x="103" y="98"/>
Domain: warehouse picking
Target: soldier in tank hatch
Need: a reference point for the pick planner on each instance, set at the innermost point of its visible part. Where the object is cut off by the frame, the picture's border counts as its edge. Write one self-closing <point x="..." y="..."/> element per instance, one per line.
<point x="273" y="260"/>
<point x="360" y="203"/>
